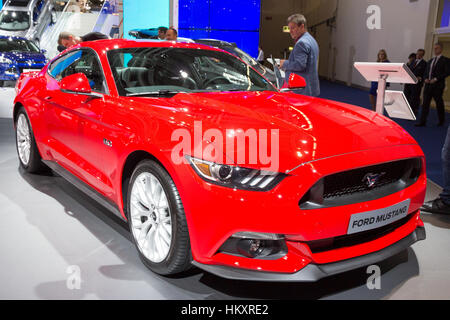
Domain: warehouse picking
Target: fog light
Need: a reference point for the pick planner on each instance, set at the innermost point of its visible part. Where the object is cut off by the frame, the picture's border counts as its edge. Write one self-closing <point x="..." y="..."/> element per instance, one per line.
<point x="250" y="248"/>
<point x="258" y="235"/>
<point x="255" y="245"/>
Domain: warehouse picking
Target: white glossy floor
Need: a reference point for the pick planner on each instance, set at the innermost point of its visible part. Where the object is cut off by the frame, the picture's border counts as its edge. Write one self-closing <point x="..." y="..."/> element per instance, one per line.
<point x="47" y="226"/>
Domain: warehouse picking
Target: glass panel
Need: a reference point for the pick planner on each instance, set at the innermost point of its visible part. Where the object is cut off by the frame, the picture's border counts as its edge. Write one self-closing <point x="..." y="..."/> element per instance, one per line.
<point x="246" y="41"/>
<point x="193" y="14"/>
<point x="235" y="14"/>
<point x="153" y="71"/>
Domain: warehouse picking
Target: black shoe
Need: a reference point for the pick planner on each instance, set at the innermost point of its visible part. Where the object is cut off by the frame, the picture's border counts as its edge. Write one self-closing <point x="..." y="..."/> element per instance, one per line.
<point x="420" y="124"/>
<point x="441" y="124"/>
<point x="436" y="206"/>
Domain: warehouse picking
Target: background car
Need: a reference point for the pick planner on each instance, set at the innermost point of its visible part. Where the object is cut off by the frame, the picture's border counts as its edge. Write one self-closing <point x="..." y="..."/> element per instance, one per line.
<point x="26" y="18"/>
<point x="18" y="55"/>
<point x="151" y="33"/>
<point x="344" y="191"/>
<point x="233" y="49"/>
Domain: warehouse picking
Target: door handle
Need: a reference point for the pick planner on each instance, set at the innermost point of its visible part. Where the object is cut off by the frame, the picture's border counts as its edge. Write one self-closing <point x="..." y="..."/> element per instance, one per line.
<point x="48" y="98"/>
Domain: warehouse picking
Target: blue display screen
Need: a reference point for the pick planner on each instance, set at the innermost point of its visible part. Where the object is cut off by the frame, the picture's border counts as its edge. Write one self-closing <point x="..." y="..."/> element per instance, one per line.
<point x="235" y="14"/>
<point x="445" y="21"/>
<point x="193" y="14"/>
<point x="235" y="21"/>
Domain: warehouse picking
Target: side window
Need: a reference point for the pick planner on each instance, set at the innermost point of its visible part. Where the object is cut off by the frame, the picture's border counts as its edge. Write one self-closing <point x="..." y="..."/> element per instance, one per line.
<point x="59" y="66"/>
<point x="80" y="61"/>
<point x="37" y="10"/>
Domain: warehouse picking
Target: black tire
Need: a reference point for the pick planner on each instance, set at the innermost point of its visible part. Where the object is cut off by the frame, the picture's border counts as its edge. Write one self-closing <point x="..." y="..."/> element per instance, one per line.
<point x="179" y="258"/>
<point x="35" y="164"/>
<point x="2" y="83"/>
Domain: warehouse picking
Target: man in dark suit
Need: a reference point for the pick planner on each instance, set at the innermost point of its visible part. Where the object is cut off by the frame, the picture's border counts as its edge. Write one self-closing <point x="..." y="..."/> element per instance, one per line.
<point x="418" y="68"/>
<point x="408" y="90"/>
<point x="437" y="70"/>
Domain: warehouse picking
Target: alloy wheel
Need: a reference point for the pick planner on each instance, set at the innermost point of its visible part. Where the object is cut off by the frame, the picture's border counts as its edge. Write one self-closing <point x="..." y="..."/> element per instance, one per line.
<point x="151" y="221"/>
<point x="23" y="139"/>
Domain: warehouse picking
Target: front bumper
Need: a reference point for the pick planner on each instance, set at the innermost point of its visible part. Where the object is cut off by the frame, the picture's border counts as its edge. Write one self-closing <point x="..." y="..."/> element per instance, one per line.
<point x="12" y="72"/>
<point x="314" y="272"/>
<point x="215" y="214"/>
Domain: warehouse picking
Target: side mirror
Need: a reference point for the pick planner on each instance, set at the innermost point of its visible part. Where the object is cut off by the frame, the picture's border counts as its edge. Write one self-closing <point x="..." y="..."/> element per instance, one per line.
<point x="296" y="82"/>
<point x="78" y="83"/>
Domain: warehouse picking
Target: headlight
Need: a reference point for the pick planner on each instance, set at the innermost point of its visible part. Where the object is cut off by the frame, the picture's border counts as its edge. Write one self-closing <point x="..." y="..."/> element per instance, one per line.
<point x="5" y="60"/>
<point x="236" y="177"/>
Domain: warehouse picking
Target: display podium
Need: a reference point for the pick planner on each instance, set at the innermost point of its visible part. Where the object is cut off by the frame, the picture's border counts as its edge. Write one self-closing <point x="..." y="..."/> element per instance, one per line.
<point x="397" y="106"/>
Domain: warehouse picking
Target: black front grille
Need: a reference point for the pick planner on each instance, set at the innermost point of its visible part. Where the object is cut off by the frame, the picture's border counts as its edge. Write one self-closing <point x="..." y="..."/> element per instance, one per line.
<point x="357" y="238"/>
<point x="350" y="182"/>
<point x="355" y="186"/>
<point x="27" y="62"/>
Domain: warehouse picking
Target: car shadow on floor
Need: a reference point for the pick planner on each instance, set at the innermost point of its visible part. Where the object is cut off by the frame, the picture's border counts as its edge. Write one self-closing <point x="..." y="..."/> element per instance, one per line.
<point x="437" y="220"/>
<point x="194" y="284"/>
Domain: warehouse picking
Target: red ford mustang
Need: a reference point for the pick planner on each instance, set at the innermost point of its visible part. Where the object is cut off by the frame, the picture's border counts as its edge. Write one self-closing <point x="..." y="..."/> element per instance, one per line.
<point x="212" y="166"/>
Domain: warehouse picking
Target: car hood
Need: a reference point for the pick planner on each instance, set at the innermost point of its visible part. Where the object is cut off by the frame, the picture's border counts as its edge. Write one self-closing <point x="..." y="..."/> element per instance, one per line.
<point x="33" y="56"/>
<point x="309" y="129"/>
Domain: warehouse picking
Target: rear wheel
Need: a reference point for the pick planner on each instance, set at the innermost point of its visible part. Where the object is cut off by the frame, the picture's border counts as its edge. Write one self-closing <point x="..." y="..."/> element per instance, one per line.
<point x="27" y="150"/>
<point x="157" y="220"/>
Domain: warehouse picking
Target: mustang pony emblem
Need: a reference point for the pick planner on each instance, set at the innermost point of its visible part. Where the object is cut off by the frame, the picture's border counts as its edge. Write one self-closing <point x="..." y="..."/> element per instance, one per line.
<point x="372" y="178"/>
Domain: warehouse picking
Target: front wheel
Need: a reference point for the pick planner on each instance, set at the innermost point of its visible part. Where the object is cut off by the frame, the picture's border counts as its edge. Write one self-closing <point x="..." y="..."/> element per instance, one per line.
<point x="157" y="220"/>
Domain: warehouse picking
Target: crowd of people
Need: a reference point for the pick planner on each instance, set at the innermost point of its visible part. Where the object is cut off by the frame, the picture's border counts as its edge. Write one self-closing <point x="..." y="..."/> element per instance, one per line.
<point x="431" y="77"/>
<point x="67" y="39"/>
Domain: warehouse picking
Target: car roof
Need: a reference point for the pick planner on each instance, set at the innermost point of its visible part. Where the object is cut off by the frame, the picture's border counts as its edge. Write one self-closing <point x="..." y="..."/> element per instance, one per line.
<point x="100" y="45"/>
<point x="19" y="5"/>
<point x="216" y="42"/>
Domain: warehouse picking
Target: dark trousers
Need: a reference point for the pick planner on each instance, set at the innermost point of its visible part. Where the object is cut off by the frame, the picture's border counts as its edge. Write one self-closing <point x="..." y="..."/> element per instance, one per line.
<point x="416" y="90"/>
<point x="435" y="92"/>
<point x="408" y="91"/>
<point x="412" y="93"/>
<point x="445" y="195"/>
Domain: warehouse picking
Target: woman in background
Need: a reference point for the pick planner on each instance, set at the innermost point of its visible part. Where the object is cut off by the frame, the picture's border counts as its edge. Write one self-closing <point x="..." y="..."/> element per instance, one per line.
<point x="382" y="57"/>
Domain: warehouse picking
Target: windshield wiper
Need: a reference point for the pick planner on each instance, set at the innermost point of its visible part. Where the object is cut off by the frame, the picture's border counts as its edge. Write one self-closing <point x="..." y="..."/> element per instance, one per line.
<point x="159" y="93"/>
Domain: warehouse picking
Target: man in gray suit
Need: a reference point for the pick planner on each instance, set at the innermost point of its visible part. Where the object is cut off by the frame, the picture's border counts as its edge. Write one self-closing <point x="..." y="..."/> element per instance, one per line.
<point x="304" y="58"/>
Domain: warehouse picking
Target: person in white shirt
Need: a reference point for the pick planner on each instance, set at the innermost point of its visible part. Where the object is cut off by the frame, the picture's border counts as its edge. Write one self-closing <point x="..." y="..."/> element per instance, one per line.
<point x="260" y="58"/>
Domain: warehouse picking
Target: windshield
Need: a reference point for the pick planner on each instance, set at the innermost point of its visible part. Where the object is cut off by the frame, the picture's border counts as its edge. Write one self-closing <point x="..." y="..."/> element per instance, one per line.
<point x="14" y="20"/>
<point x="148" y="70"/>
<point x="20" y="45"/>
<point x="243" y="55"/>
